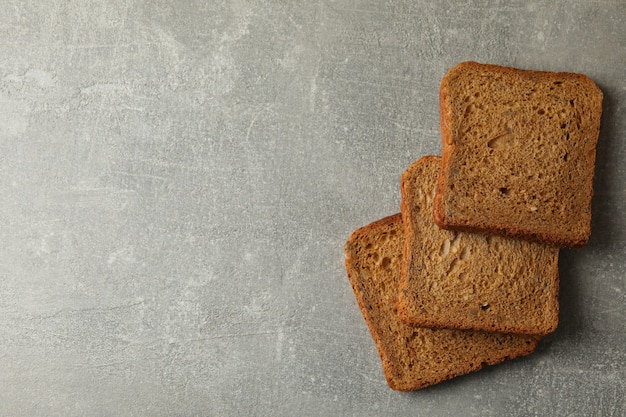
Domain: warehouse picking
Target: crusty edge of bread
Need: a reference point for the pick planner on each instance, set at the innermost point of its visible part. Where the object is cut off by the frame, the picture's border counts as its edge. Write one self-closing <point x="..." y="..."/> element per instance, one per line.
<point x="348" y="261"/>
<point x="407" y="257"/>
<point x="447" y="146"/>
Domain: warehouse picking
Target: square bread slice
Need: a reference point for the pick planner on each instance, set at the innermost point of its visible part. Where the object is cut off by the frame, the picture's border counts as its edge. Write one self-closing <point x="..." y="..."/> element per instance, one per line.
<point x="519" y="151"/>
<point x="414" y="357"/>
<point x="464" y="280"/>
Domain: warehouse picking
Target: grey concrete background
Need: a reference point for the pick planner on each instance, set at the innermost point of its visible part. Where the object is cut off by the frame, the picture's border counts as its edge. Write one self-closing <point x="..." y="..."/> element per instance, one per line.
<point x="178" y="179"/>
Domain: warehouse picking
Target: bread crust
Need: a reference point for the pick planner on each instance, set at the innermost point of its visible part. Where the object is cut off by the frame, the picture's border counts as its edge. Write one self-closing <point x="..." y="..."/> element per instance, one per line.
<point x="573" y="229"/>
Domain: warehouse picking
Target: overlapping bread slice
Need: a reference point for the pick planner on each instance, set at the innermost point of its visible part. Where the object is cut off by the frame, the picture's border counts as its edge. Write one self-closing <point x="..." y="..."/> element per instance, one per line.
<point x="414" y="357"/>
<point x="519" y="152"/>
<point x="466" y="280"/>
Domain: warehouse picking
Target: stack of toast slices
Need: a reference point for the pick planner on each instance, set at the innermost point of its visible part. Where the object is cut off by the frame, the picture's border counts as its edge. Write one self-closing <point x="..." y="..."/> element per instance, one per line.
<point x="467" y="274"/>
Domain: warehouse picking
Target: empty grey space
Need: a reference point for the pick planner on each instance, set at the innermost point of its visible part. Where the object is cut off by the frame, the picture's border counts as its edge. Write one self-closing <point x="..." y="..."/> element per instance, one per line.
<point x="178" y="180"/>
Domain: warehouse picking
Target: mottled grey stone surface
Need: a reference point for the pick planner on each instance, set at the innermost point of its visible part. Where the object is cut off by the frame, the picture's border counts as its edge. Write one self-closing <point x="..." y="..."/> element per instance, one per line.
<point x="178" y="179"/>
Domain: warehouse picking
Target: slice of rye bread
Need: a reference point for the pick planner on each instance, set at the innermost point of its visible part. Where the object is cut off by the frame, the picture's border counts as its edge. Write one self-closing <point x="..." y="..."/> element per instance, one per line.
<point x="466" y="280"/>
<point x="519" y="151"/>
<point x="414" y="357"/>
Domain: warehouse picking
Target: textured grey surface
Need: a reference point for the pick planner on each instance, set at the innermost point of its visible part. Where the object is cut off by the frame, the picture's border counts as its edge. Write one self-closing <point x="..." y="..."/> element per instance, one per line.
<point x="178" y="180"/>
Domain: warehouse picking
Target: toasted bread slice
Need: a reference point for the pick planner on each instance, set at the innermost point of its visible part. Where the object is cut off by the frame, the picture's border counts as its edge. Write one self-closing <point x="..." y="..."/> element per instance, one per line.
<point x="518" y="152"/>
<point x="414" y="357"/>
<point x="471" y="281"/>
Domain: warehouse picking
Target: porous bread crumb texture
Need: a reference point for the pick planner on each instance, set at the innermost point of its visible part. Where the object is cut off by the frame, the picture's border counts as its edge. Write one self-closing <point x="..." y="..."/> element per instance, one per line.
<point x="467" y="280"/>
<point x="519" y="152"/>
<point x="414" y="357"/>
